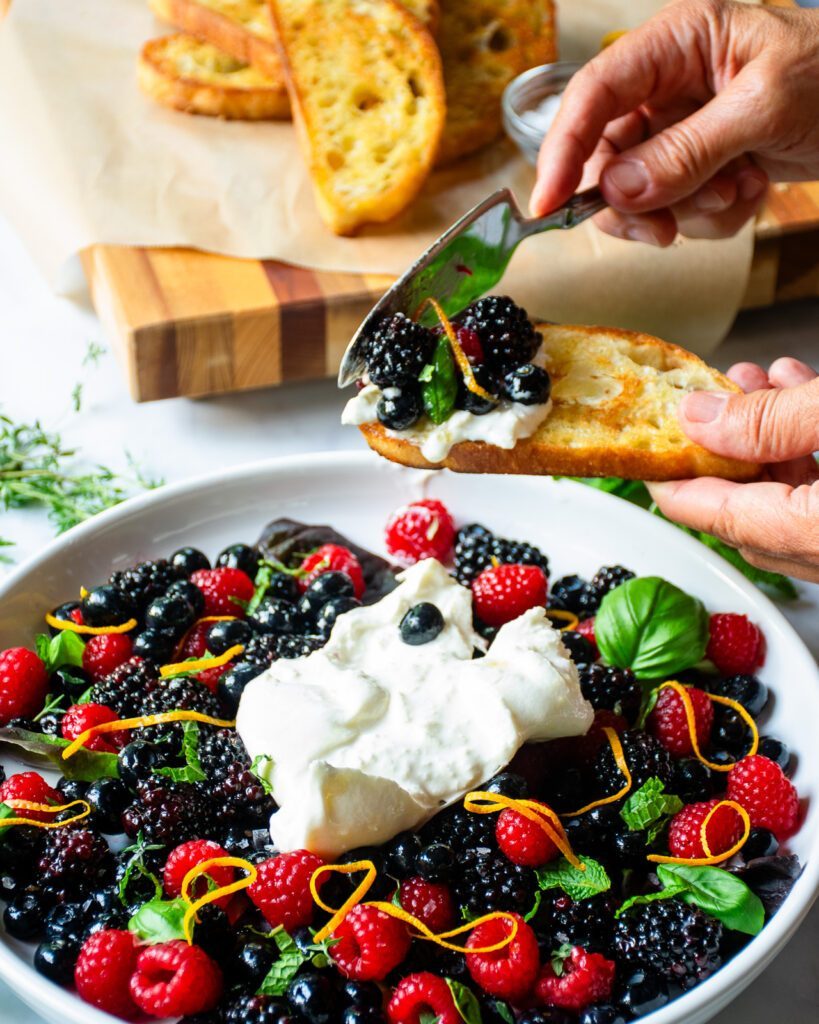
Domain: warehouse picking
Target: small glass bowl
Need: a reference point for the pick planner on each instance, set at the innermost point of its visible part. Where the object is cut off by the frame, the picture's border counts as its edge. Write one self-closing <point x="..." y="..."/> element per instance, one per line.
<point x="525" y="93"/>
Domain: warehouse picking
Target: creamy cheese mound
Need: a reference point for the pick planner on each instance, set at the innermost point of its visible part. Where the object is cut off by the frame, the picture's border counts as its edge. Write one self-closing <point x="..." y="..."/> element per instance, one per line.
<point x="370" y="736"/>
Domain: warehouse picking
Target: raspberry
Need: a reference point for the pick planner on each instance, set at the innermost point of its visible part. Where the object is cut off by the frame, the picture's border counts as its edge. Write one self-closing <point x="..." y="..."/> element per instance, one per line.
<point x="668" y="723"/>
<point x="187" y="856"/>
<point x="194" y="643"/>
<point x="762" y="788"/>
<point x="508" y="973"/>
<point x="80" y="717"/>
<point x="332" y="558"/>
<point x="175" y="980"/>
<point x="523" y="840"/>
<point x="224" y="589"/>
<point x="103" y="972"/>
<point x="585" y="978"/>
<point x="23" y="684"/>
<point x="210" y="677"/>
<point x="420" y="996"/>
<point x="736" y="645"/>
<point x="471" y="344"/>
<point x="34" y="788"/>
<point x="684" y="832"/>
<point x="430" y="902"/>
<point x="503" y="592"/>
<point x="282" y="889"/>
<point x="586" y="629"/>
<point x="104" y="653"/>
<point x="370" y="944"/>
<point x="422" y="529"/>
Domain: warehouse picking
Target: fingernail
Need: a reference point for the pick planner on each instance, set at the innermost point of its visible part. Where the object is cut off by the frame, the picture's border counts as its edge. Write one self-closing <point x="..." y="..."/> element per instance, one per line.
<point x="708" y="200"/>
<point x="750" y="187"/>
<point x="627" y="176"/>
<point x="641" y="233"/>
<point x="703" y="406"/>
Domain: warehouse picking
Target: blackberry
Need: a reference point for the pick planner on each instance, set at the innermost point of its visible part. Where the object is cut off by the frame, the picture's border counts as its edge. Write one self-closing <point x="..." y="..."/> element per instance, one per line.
<point x="248" y="1009"/>
<point x="505" y="331"/>
<point x="125" y="689"/>
<point x="219" y="749"/>
<point x="678" y="942"/>
<point x="609" y="688"/>
<point x="608" y="578"/>
<point x="238" y="796"/>
<point x="397" y="350"/>
<point x="180" y="693"/>
<point x="261" y="649"/>
<point x="588" y="923"/>
<point x="580" y="649"/>
<point x="475" y="547"/>
<point x="145" y="581"/>
<point x="485" y="880"/>
<point x="645" y="756"/>
<point x="169" y="813"/>
<point x="75" y="860"/>
<point x="574" y="594"/>
<point x="298" y="646"/>
<point x="460" y="829"/>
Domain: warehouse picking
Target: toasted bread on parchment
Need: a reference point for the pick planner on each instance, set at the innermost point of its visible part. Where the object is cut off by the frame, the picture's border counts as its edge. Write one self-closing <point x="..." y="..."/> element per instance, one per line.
<point x="484" y="44"/>
<point x="615" y="396"/>
<point x="369" y="109"/>
<point x="184" y="73"/>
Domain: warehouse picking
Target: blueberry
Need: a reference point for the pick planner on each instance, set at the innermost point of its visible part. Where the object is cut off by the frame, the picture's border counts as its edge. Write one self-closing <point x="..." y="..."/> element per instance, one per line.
<point x="240" y="556"/>
<point x="722" y="757"/>
<point x="233" y="682"/>
<point x="398" y="408"/>
<point x="23" y="917"/>
<point x="401" y="855"/>
<point x="64" y="612"/>
<point x="156" y="645"/>
<point x="580" y="649"/>
<point x="548" y="1015"/>
<point x="362" y="1015"/>
<point x="10" y="887"/>
<point x="275" y="615"/>
<point x="747" y="690"/>
<point x="213" y="932"/>
<point x="66" y="921"/>
<point x="249" y="964"/>
<point x="527" y="384"/>
<point x="776" y="751"/>
<point x="730" y="731"/>
<point x="188" y="560"/>
<point x="760" y="843"/>
<point x="313" y="996"/>
<point x="602" y="1013"/>
<point x="643" y="992"/>
<point x="477" y="404"/>
<point x="223" y="635"/>
<point x="56" y="960"/>
<point x="331" y="610"/>
<point x="362" y="993"/>
<point x="421" y="624"/>
<point x="508" y="784"/>
<point x="284" y="586"/>
<point x="104" y="909"/>
<point x="629" y="849"/>
<point x="435" y="862"/>
<point x="106" y="606"/>
<point x="172" y="612"/>
<point x="49" y="723"/>
<point x="192" y="594"/>
<point x="693" y="781"/>
<point x="72" y="789"/>
<point x="330" y="584"/>
<point x="136" y="760"/>
<point x="238" y="841"/>
<point x="108" y="799"/>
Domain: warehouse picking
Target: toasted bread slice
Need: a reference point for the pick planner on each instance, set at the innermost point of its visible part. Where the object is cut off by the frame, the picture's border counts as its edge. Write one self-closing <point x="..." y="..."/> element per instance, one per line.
<point x="369" y="109"/>
<point x="615" y="397"/>
<point x="181" y="72"/>
<point x="484" y="44"/>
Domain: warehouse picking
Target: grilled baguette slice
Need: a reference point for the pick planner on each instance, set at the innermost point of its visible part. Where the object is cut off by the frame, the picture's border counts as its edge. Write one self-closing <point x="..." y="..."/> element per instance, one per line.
<point x="615" y="396"/>
<point x="369" y="109"/>
<point x="181" y="72"/>
<point x="484" y="44"/>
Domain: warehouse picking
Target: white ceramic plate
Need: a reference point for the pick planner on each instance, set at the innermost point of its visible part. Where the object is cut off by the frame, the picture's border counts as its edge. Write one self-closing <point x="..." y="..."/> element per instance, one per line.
<point x="578" y="527"/>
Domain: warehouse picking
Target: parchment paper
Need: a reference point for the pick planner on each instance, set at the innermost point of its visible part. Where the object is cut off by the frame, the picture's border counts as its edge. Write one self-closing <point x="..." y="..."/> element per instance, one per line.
<point x="86" y="158"/>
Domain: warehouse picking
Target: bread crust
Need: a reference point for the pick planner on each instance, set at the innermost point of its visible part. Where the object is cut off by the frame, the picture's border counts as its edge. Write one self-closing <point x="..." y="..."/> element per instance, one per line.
<point x="540" y="455"/>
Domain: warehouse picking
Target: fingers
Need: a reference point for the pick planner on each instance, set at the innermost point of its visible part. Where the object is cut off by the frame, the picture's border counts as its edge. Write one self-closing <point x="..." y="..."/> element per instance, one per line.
<point x="769" y="520"/>
<point x="723" y="205"/>
<point x="781" y="565"/>
<point x="790" y="373"/>
<point x="749" y="376"/>
<point x="765" y="426"/>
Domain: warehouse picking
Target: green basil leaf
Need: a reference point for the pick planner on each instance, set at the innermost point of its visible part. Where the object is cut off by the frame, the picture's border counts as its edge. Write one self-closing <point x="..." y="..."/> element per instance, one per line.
<point x="43" y="751"/>
<point x="192" y="770"/>
<point x="719" y="893"/>
<point x="652" y="627"/>
<point x="503" y="1010"/>
<point x="649" y="808"/>
<point x="466" y="1002"/>
<point x="159" y="920"/>
<point x="577" y="884"/>
<point x="66" y="648"/>
<point x="639" y="901"/>
<point x="264" y="575"/>
<point x="559" y="958"/>
<point x="260" y="766"/>
<point x="439" y="392"/>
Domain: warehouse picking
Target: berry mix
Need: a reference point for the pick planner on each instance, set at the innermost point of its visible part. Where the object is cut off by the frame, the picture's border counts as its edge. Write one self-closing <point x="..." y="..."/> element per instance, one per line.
<point x="590" y="882"/>
<point x="473" y="363"/>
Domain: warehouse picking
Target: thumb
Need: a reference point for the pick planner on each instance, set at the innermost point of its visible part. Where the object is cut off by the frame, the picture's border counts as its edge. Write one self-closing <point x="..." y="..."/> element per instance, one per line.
<point x="764" y="426"/>
<point x="676" y="162"/>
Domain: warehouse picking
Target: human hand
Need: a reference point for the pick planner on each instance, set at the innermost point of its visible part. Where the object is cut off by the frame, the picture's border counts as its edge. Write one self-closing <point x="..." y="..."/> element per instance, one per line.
<point x="774" y="523"/>
<point x="685" y="120"/>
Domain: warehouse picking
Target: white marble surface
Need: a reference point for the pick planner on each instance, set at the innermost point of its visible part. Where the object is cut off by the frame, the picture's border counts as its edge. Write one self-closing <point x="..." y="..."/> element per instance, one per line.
<point x="43" y="339"/>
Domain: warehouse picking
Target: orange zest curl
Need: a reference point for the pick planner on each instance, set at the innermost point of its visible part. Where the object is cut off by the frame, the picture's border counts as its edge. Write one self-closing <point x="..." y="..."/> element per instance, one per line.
<point x="358" y="894"/>
<point x="461" y="358"/>
<point x="620" y="761"/>
<point x="28" y="805"/>
<point x="201" y="664"/>
<point x="214" y="894"/>
<point x="123" y="724"/>
<point x="711" y="858"/>
<point x="75" y="627"/>
<point x="569" y="619"/>
<point x="691" y="720"/>
<point x="480" y="802"/>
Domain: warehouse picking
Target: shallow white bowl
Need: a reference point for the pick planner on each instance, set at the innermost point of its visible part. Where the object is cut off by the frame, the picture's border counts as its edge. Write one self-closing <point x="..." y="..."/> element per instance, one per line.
<point x="578" y="527"/>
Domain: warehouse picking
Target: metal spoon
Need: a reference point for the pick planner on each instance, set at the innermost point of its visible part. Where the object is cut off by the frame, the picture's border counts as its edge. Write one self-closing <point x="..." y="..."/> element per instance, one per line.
<point x="464" y="263"/>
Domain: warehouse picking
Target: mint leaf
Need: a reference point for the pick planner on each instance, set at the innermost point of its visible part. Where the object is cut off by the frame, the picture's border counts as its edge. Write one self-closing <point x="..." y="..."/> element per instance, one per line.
<point x="286" y="968"/>
<point x="559" y="958"/>
<point x="535" y="907"/>
<point x="439" y="392"/>
<point x="465" y="1001"/>
<point x="426" y="374"/>
<point x="192" y="770"/>
<point x="503" y="1010"/>
<point x="136" y="865"/>
<point x="66" y="648"/>
<point x="52" y="704"/>
<point x="577" y="884"/>
<point x="651" y="897"/>
<point x="261" y="583"/>
<point x="261" y="764"/>
<point x="85" y="696"/>
<point x="428" y="1017"/>
<point x="649" y="808"/>
<point x="44" y="751"/>
<point x="717" y="892"/>
<point x="159" y="920"/>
